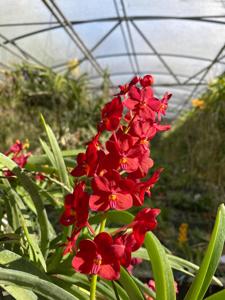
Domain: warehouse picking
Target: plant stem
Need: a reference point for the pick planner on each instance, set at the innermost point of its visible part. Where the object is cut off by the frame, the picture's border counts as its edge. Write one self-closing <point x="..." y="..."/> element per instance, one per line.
<point x="95" y="276"/>
<point x="93" y="287"/>
<point x="102" y="226"/>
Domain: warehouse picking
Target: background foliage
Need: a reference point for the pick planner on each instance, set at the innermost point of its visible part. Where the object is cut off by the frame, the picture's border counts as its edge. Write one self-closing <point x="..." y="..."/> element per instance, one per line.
<point x="66" y="101"/>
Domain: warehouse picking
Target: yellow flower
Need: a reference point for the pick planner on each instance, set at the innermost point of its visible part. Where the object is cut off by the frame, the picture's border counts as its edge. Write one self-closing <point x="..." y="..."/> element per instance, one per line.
<point x="198" y="103"/>
<point x="73" y="66"/>
<point x="183" y="232"/>
<point x="26" y="145"/>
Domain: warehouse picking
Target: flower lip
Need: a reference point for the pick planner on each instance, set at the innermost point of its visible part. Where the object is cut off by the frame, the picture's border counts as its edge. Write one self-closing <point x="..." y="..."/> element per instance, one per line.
<point x="96" y="264"/>
<point x="112" y="200"/>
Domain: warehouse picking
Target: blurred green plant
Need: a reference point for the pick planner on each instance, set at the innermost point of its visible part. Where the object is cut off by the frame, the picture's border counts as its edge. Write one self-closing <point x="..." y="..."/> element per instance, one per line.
<point x="194" y="149"/>
<point x="67" y="102"/>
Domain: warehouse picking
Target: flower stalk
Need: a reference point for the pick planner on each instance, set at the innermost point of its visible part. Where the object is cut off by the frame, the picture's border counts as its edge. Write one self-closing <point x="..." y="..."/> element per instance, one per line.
<point x="94" y="277"/>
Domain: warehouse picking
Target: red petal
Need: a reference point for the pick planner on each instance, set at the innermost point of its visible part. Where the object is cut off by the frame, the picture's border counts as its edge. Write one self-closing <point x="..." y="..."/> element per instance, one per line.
<point x="98" y="203"/>
<point x="123" y="201"/>
<point x="110" y="271"/>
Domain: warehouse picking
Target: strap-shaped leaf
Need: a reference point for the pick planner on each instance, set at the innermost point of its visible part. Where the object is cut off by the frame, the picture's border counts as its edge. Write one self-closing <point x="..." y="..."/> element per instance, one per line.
<point x="113" y="216"/>
<point x="161" y="268"/>
<point x="211" y="259"/>
<point x="25" y="280"/>
<point x="58" y="158"/>
<point x="130" y="286"/>
<point x="32" y="189"/>
<point x="217" y="296"/>
<point x="176" y="263"/>
<point x="19" y="293"/>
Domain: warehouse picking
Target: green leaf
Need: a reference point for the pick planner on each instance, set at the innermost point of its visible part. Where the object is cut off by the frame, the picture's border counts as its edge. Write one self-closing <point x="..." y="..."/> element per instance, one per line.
<point x="19" y="293"/>
<point x="210" y="260"/>
<point x="176" y="263"/>
<point x="113" y="216"/>
<point x="130" y="286"/>
<point x="217" y="296"/>
<point x="58" y="158"/>
<point x="48" y="153"/>
<point x="122" y="293"/>
<point x="161" y="268"/>
<point x="32" y="189"/>
<point x="28" y="281"/>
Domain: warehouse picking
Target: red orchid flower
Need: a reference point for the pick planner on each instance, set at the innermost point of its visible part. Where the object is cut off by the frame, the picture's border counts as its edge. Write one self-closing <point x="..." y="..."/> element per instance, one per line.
<point x="124" y="89"/>
<point x="76" y="207"/>
<point x="141" y="102"/>
<point x="160" y="106"/>
<point x="87" y="162"/>
<point x="109" y="193"/>
<point x="111" y="115"/>
<point x="98" y="257"/>
<point x="147" y="80"/>
<point x="144" y="221"/>
<point x="15" y="148"/>
<point x="123" y="152"/>
<point x="126" y="242"/>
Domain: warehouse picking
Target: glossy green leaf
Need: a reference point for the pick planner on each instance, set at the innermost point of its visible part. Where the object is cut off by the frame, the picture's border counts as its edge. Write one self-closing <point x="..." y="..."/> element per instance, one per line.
<point x="32" y="189"/>
<point x="58" y="158"/>
<point x="28" y="281"/>
<point x="122" y="293"/>
<point x="176" y="263"/>
<point x="48" y="153"/>
<point x="113" y="216"/>
<point x="161" y="268"/>
<point x="145" y="289"/>
<point x="130" y="286"/>
<point x="217" y="296"/>
<point x="19" y="293"/>
<point x="211" y="259"/>
<point x="11" y="260"/>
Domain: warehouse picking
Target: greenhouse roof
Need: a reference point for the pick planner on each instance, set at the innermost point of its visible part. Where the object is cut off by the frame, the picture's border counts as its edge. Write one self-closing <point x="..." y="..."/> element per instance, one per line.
<point x="180" y="42"/>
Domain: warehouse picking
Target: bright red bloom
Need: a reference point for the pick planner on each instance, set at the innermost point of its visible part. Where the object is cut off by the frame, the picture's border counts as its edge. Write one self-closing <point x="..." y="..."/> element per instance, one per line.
<point x="140" y="188"/>
<point x="160" y="106"/>
<point x="124" y="89"/>
<point x="39" y="176"/>
<point x="76" y="207"/>
<point x="15" y="148"/>
<point x="87" y="162"/>
<point x="109" y="193"/>
<point x="126" y="242"/>
<point x="70" y="245"/>
<point x="146" y="186"/>
<point x="21" y="159"/>
<point x="146" y="80"/>
<point x="146" y="129"/>
<point x="98" y="257"/>
<point x="111" y="115"/>
<point x="123" y="152"/>
<point x="144" y="221"/>
<point x="140" y="102"/>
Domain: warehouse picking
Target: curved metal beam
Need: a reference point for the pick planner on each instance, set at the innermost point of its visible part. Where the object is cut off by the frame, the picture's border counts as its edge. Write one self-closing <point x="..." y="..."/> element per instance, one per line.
<point x="106" y="56"/>
<point x="142" y="73"/>
<point x="112" y="19"/>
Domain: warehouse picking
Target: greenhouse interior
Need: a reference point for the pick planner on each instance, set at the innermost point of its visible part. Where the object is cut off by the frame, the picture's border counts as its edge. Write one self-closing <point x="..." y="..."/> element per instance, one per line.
<point x="112" y="149"/>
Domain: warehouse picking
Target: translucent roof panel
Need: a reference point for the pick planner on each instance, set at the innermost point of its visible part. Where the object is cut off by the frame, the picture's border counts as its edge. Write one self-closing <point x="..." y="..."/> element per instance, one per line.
<point x="180" y="42"/>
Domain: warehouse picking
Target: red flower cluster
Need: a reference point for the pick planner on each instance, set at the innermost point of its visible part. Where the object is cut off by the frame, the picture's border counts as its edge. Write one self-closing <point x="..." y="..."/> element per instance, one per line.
<point x="18" y="154"/>
<point x="118" y="175"/>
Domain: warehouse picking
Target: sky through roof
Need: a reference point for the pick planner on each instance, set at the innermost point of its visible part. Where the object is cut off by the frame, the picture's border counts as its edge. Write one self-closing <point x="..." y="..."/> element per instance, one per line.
<point x="180" y="42"/>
